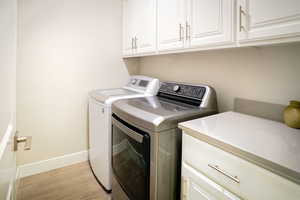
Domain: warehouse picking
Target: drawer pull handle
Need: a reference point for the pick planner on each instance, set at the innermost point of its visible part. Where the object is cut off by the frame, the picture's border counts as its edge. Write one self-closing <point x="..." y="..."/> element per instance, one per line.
<point x="216" y="167"/>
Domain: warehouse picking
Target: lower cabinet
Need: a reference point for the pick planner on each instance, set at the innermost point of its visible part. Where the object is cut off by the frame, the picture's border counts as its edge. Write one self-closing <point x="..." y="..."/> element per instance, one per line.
<point x="212" y="174"/>
<point x="197" y="186"/>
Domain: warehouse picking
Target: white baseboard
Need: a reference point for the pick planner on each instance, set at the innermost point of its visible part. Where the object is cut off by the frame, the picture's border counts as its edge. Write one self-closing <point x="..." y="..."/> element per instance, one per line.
<point x="53" y="163"/>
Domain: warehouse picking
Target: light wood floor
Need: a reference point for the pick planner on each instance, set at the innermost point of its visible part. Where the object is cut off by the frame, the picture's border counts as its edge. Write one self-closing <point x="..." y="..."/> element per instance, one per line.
<point x="75" y="182"/>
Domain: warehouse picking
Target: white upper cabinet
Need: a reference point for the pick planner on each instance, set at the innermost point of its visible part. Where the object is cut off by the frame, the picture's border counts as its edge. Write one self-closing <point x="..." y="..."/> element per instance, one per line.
<point x="162" y="26"/>
<point x="194" y="23"/>
<point x="146" y="32"/>
<point x="129" y="26"/>
<point x="210" y="22"/>
<point x="171" y="19"/>
<point x="264" y="20"/>
<point x="139" y="27"/>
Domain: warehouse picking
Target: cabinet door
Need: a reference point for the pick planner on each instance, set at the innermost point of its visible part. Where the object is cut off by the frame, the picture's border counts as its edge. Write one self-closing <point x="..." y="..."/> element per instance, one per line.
<point x="210" y="22"/>
<point x="268" y="19"/>
<point x="8" y="49"/>
<point x="130" y="25"/>
<point x="254" y="182"/>
<point x="171" y="18"/>
<point x="145" y="15"/>
<point x="196" y="186"/>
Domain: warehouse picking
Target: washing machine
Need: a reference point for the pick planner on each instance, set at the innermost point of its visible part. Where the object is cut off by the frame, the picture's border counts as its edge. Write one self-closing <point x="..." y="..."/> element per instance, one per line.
<point x="146" y="140"/>
<point x="100" y="102"/>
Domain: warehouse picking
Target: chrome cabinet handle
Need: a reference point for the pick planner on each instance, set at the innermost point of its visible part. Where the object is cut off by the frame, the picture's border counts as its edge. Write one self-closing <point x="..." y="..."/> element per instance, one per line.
<point x="135" y="42"/>
<point x="216" y="167"/>
<point x="241" y="12"/>
<point x="187" y="31"/>
<point x="180" y="32"/>
<point x="20" y="139"/>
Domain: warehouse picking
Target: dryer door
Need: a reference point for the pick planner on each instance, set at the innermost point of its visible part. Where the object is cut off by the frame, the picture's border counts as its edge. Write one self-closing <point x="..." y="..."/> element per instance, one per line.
<point x="131" y="159"/>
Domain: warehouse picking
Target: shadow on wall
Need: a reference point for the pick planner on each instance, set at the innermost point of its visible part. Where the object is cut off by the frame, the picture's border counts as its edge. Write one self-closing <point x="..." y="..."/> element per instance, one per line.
<point x="260" y="109"/>
<point x="132" y="65"/>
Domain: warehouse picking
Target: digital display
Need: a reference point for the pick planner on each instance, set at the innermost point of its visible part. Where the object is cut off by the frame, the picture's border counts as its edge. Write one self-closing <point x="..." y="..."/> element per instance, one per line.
<point x="143" y="83"/>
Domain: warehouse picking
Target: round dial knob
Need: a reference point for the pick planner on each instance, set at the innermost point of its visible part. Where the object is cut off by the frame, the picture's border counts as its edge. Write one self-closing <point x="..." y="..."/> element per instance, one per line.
<point x="133" y="81"/>
<point x="176" y="88"/>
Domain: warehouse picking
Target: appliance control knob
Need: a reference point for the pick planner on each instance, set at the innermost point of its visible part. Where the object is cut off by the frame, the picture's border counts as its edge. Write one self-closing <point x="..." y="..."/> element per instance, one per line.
<point x="133" y="81"/>
<point x="176" y="88"/>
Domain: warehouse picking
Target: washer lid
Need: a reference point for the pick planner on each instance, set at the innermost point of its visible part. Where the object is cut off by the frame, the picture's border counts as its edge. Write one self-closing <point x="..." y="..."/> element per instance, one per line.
<point x="105" y="96"/>
<point x="115" y="92"/>
<point x="157" y="114"/>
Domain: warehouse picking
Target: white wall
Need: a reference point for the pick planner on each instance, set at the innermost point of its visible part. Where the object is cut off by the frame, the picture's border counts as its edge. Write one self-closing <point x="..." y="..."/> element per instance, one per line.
<point x="66" y="48"/>
<point x="270" y="74"/>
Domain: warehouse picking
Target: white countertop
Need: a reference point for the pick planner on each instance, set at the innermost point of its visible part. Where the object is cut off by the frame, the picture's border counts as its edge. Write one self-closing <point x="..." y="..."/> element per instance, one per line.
<point x="270" y="144"/>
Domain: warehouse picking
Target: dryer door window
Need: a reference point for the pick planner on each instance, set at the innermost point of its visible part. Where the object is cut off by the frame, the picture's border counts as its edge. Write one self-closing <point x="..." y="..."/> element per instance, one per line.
<point x="131" y="159"/>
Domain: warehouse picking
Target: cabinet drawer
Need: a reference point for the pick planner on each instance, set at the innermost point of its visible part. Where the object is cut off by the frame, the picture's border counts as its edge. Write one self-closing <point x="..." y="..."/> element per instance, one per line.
<point x="241" y="177"/>
<point x="196" y="186"/>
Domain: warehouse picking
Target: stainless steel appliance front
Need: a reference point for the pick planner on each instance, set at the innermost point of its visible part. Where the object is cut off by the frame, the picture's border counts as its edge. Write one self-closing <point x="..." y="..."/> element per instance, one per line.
<point x="163" y="168"/>
<point x="153" y="121"/>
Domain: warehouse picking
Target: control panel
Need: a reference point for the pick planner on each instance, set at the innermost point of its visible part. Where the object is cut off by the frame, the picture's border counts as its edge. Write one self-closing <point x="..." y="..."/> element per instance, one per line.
<point x="143" y="84"/>
<point x="183" y="90"/>
<point x="139" y="82"/>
